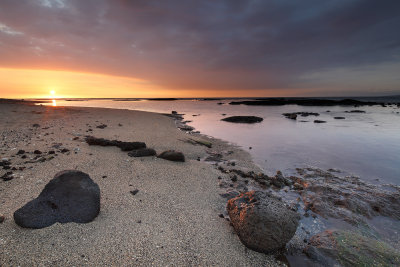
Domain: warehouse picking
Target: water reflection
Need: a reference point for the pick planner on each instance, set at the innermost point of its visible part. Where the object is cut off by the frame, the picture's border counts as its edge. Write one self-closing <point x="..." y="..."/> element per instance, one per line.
<point x="54" y="104"/>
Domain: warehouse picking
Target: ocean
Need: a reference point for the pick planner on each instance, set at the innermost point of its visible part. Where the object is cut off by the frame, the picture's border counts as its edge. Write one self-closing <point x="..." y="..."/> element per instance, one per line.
<point x="363" y="144"/>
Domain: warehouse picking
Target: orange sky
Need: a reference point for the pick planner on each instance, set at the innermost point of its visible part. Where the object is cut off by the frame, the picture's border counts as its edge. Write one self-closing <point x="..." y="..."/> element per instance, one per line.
<point x="30" y="83"/>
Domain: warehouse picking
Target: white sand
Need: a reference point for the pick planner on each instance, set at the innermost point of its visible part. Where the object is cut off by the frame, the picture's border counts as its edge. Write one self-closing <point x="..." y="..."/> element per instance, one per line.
<point x="178" y="203"/>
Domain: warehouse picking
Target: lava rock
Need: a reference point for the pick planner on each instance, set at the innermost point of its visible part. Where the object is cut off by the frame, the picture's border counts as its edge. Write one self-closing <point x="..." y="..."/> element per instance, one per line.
<point x="2" y="218"/>
<point x="319" y="121"/>
<point x="71" y="196"/>
<point x="243" y="119"/>
<point x="262" y="222"/>
<point x="172" y="155"/>
<point x="37" y="152"/>
<point x="143" y="152"/>
<point x="21" y="152"/>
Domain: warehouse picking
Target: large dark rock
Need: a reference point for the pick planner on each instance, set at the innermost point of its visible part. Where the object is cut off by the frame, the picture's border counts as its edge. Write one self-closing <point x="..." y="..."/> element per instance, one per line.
<point x="143" y="152"/>
<point x="71" y="196"/>
<point x="172" y="155"/>
<point x="243" y="119"/>
<point x="262" y="222"/>
<point x="124" y="146"/>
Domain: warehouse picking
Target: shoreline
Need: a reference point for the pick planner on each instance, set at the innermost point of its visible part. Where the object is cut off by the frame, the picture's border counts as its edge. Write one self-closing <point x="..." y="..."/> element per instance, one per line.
<point x="179" y="222"/>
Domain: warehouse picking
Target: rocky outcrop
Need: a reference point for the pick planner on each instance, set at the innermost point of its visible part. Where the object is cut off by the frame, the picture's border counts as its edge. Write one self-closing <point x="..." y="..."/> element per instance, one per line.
<point x="243" y="119"/>
<point x="262" y="222"/>
<point x="172" y="155"/>
<point x="124" y="146"/>
<point x="348" y="198"/>
<point x="336" y="247"/>
<point x="71" y="196"/>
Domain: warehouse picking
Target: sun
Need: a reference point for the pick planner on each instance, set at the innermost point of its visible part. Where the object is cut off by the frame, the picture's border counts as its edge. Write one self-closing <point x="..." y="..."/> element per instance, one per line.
<point x="52" y="92"/>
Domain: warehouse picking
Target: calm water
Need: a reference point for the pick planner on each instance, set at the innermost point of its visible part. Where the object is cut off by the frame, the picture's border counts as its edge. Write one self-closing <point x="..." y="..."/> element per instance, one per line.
<point x="365" y="144"/>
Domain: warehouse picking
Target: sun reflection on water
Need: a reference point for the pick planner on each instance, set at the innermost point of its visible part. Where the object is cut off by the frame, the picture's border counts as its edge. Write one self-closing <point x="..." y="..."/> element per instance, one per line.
<point x="54" y="103"/>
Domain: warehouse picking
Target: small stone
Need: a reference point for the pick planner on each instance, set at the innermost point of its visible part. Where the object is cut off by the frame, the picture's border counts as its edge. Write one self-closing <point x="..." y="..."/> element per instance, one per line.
<point x="37" y="152"/>
<point x="134" y="192"/>
<point x="2" y="218"/>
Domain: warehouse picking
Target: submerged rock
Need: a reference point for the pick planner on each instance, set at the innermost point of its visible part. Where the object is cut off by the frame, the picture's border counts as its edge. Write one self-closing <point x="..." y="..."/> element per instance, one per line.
<point x="143" y="152"/>
<point x="172" y="155"/>
<point x="243" y="119"/>
<point x="71" y="196"/>
<point x="262" y="222"/>
<point x="350" y="249"/>
<point x="348" y="198"/>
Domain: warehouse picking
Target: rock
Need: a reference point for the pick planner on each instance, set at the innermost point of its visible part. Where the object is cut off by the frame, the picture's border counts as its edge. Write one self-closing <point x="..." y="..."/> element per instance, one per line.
<point x="262" y="222"/>
<point x="350" y="249"/>
<point x="243" y="119"/>
<point x="172" y="155"/>
<point x="101" y="126"/>
<point x="36" y="125"/>
<point x="2" y="218"/>
<point x="293" y="115"/>
<point x="37" y="152"/>
<point x="71" y="196"/>
<point x="319" y="121"/>
<point x="143" y="152"/>
<point x="134" y="192"/>
<point x="229" y="194"/>
<point x="21" y="152"/>
<point x="64" y="150"/>
<point x="124" y="146"/>
<point x="339" y="118"/>
<point x="8" y="176"/>
<point x="186" y="128"/>
<point x="355" y="111"/>
<point x="347" y="198"/>
<point x="174" y="112"/>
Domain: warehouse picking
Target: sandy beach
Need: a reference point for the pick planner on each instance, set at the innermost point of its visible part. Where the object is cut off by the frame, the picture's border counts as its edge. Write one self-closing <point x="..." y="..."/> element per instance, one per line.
<point x="172" y="220"/>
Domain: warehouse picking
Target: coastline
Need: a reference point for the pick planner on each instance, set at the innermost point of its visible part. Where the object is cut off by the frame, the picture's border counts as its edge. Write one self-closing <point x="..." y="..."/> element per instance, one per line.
<point x="173" y="219"/>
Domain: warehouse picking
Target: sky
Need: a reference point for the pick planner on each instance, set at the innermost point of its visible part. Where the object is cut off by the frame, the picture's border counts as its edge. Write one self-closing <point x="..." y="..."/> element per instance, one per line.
<point x="192" y="48"/>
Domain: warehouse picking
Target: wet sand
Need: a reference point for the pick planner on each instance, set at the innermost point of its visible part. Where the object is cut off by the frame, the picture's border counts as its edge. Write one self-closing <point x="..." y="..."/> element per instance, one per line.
<point x="172" y="220"/>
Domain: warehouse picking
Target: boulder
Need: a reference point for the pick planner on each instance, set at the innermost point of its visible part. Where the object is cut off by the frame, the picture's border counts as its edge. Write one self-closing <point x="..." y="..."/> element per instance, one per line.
<point x="262" y="222"/>
<point x="172" y="155"/>
<point x="71" y="196"/>
<point x="143" y="152"/>
<point x="243" y="119"/>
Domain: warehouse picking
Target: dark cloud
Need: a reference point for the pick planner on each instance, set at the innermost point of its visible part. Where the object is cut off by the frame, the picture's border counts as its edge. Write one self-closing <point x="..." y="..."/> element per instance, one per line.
<point x="208" y="44"/>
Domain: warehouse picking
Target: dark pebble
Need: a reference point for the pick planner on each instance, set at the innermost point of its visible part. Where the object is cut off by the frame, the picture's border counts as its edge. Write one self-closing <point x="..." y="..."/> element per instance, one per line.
<point x="134" y="192"/>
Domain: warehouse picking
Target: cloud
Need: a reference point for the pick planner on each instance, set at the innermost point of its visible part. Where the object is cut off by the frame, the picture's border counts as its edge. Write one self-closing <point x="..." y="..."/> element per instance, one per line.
<point x="224" y="45"/>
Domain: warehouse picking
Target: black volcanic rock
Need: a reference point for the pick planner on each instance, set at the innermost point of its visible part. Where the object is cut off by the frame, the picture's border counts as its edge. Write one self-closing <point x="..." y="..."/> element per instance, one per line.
<point x="124" y="146"/>
<point x="303" y="102"/>
<point x="319" y="121"/>
<point x="243" y="119"/>
<point x="71" y="196"/>
<point x="143" y="152"/>
<point x="172" y="155"/>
